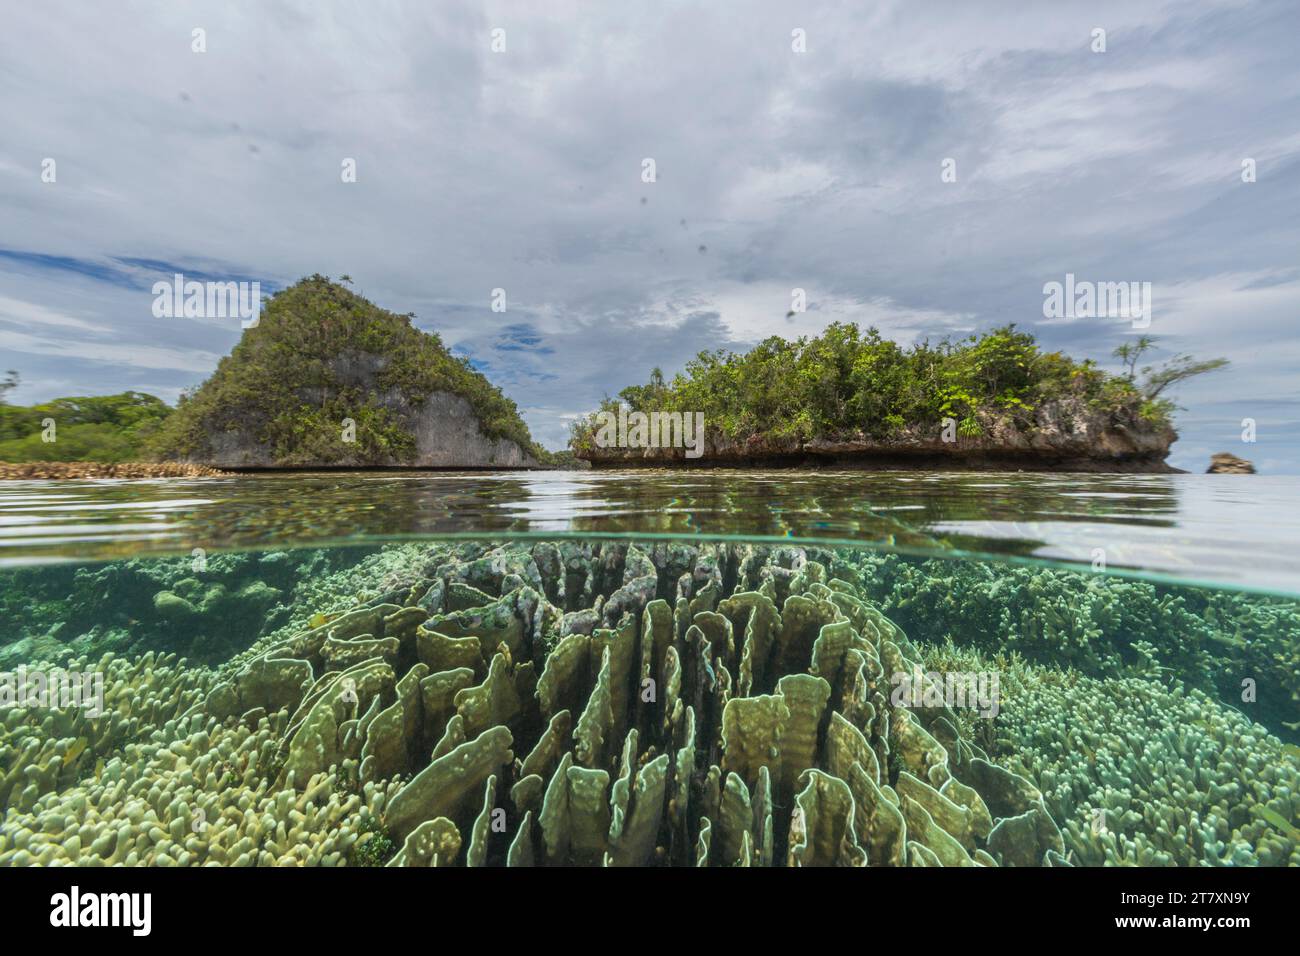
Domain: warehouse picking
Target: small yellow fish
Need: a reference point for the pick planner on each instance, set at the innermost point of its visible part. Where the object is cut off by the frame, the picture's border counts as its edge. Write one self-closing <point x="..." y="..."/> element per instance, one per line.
<point x="1273" y="818"/>
<point x="1291" y="750"/>
<point x="318" y="619"/>
<point x="75" y="751"/>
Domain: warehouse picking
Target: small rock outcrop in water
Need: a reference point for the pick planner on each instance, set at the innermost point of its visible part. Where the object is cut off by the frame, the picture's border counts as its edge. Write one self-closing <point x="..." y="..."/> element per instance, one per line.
<point x="328" y="379"/>
<point x="1226" y="463"/>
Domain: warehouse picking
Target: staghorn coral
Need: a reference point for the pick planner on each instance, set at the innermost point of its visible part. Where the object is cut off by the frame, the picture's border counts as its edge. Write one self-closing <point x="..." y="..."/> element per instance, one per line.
<point x="47" y="750"/>
<point x="1166" y="778"/>
<point x="1099" y="625"/>
<point x="176" y="788"/>
<point x="582" y="703"/>
<point x="1137" y="773"/>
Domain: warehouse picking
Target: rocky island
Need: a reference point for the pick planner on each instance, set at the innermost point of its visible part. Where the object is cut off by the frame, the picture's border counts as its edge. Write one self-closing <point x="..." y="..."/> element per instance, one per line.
<point x="327" y="379"/>
<point x="851" y="399"/>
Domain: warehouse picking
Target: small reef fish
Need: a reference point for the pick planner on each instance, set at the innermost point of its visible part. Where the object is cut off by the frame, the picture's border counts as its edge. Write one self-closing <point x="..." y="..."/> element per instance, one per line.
<point x="75" y="751"/>
<point x="1273" y="818"/>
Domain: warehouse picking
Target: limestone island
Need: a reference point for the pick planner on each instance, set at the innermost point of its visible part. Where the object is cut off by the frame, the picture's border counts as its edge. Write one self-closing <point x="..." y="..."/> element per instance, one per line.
<point x="327" y="379"/>
<point x="851" y="399"/>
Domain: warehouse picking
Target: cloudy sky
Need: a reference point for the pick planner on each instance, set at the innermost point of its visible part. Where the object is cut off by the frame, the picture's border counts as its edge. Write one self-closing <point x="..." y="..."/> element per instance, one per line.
<point x="775" y="170"/>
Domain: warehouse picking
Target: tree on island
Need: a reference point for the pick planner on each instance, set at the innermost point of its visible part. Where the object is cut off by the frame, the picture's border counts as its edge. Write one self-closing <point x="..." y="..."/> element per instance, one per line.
<point x="1156" y="380"/>
<point x="103" y="428"/>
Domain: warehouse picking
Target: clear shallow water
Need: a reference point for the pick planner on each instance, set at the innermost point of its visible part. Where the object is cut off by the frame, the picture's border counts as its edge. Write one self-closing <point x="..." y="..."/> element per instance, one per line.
<point x="843" y="669"/>
<point x="1240" y="531"/>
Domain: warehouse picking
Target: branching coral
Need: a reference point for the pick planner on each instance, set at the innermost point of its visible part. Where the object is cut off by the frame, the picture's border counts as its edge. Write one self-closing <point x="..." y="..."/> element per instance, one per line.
<point x="1101" y="626"/>
<point x="1166" y="778"/>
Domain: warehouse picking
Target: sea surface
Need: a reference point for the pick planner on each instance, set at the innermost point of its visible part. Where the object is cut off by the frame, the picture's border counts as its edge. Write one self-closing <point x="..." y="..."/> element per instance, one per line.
<point x="651" y="668"/>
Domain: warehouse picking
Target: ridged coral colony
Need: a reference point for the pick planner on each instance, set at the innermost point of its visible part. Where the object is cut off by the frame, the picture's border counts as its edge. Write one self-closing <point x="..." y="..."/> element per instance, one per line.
<point x="588" y="703"/>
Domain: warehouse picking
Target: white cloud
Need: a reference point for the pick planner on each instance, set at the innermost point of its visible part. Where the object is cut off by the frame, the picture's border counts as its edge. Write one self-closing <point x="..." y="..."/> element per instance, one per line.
<point x="33" y="315"/>
<point x="143" y="356"/>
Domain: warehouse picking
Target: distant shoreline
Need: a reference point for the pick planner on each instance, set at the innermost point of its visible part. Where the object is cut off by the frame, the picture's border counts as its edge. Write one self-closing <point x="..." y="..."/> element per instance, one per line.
<point x="41" y="470"/>
<point x="75" y="470"/>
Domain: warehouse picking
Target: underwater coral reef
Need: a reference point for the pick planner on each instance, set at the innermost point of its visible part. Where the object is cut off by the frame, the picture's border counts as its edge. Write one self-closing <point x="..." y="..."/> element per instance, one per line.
<point x="622" y="704"/>
<point x="1099" y="625"/>
<point x="205" y="607"/>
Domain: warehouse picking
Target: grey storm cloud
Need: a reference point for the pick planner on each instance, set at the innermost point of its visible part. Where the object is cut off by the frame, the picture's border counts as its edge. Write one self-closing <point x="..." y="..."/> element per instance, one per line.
<point x="776" y="170"/>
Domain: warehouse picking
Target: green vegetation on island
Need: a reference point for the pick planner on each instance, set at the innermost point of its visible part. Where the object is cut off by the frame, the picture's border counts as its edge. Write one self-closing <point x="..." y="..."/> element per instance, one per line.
<point x="102" y="428"/>
<point x="321" y="354"/>
<point x="851" y="384"/>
